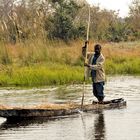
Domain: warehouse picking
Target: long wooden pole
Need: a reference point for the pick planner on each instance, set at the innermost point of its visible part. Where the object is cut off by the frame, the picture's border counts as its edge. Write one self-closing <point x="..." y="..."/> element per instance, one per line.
<point x="86" y="60"/>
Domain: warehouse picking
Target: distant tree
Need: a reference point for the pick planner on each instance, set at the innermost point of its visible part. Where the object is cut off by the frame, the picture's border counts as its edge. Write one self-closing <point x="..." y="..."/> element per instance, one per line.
<point x="101" y="20"/>
<point x="119" y="31"/>
<point x="61" y="24"/>
<point x="134" y="17"/>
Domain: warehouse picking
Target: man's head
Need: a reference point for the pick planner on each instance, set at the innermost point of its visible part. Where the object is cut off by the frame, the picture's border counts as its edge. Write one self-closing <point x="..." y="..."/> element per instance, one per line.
<point x="97" y="49"/>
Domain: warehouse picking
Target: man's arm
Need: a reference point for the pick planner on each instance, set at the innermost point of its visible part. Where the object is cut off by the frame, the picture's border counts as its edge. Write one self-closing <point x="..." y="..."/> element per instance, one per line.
<point x="99" y="64"/>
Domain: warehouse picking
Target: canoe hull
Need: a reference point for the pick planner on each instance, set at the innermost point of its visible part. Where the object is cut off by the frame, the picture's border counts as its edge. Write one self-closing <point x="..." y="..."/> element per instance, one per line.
<point x="28" y="113"/>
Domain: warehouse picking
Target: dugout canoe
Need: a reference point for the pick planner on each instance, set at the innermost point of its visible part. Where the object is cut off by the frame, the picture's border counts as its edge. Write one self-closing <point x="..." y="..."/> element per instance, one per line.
<point x="50" y="111"/>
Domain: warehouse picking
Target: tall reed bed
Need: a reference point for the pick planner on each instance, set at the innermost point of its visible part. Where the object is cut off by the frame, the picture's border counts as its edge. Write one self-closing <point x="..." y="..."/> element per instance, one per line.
<point x="35" y="63"/>
<point x="35" y="52"/>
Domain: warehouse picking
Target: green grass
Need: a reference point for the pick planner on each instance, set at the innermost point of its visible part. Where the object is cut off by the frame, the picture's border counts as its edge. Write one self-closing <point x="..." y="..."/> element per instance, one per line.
<point x="117" y="65"/>
<point x="60" y="74"/>
<point x="51" y="74"/>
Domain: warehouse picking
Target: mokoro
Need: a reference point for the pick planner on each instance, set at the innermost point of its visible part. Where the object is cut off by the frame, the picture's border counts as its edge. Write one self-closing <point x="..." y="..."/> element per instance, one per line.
<point x="60" y="110"/>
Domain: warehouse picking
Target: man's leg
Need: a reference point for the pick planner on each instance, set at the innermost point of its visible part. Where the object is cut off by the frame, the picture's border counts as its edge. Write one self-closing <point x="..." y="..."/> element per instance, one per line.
<point x="100" y="91"/>
<point x="95" y="93"/>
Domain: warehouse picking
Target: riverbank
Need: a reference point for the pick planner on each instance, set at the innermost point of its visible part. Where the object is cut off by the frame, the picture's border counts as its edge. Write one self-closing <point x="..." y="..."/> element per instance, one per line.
<point x="41" y="75"/>
<point x="57" y="63"/>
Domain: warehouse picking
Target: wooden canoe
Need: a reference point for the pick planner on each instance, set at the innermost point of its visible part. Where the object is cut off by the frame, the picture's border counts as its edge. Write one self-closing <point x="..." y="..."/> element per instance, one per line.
<point x="58" y="110"/>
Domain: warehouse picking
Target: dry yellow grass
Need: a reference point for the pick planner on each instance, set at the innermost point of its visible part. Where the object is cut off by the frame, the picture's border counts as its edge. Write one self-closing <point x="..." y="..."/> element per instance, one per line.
<point x="72" y="50"/>
<point x="113" y="50"/>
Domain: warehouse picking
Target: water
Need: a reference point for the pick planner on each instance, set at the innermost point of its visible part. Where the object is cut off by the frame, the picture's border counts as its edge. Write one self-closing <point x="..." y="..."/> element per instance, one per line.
<point x="117" y="124"/>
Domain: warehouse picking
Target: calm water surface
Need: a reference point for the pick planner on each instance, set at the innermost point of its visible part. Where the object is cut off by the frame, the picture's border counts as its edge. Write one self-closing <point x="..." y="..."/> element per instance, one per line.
<point x="117" y="124"/>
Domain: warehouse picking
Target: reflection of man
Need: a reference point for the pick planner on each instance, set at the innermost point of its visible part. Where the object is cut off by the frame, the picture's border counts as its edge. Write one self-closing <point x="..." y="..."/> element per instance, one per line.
<point x="95" y="64"/>
<point x="99" y="127"/>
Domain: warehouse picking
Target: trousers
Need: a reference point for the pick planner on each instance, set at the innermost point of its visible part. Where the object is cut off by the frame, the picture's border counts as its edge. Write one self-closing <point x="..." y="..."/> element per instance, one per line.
<point x="98" y="90"/>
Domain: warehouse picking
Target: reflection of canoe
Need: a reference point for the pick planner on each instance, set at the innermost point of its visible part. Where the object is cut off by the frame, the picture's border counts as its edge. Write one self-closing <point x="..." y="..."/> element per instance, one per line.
<point x="58" y="110"/>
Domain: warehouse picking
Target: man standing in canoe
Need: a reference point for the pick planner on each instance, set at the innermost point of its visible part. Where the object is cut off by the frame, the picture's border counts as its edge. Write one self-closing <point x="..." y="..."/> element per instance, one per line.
<point x="96" y="68"/>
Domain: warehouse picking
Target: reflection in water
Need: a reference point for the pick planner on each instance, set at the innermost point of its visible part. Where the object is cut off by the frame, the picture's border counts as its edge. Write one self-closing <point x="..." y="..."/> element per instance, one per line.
<point x="18" y="123"/>
<point x="11" y="124"/>
<point x="99" y="127"/>
<point x="97" y="130"/>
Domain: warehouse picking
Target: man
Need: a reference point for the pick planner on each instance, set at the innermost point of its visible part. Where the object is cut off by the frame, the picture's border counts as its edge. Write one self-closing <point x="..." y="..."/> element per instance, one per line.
<point x="96" y="62"/>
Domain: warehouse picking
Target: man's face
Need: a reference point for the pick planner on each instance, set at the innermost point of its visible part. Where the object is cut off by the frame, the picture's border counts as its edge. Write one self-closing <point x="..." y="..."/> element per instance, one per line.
<point x="97" y="50"/>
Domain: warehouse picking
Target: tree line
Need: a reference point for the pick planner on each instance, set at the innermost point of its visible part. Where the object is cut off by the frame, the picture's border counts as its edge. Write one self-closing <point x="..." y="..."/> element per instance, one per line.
<point x="22" y="20"/>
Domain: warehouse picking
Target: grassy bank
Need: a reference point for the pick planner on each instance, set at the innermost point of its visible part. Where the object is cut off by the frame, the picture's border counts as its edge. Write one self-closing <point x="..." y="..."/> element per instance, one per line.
<point x="123" y="66"/>
<point x="41" y="75"/>
<point x="38" y="63"/>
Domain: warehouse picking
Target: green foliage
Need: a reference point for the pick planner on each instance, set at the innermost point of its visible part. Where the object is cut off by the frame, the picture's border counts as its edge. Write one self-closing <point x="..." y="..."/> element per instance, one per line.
<point x="61" y="25"/>
<point x="118" y="32"/>
<point x="134" y="17"/>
